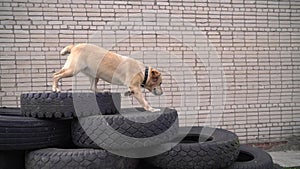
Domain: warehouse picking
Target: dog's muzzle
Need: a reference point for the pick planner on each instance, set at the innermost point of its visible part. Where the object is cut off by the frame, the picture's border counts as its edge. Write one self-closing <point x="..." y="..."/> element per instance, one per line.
<point x="157" y="92"/>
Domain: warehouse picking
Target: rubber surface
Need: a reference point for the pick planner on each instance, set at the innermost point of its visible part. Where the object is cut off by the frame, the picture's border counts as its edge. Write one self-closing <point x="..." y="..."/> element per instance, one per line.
<point x="252" y="158"/>
<point x="144" y="165"/>
<point x="12" y="159"/>
<point x="276" y="166"/>
<point x="68" y="104"/>
<point x="12" y="111"/>
<point x="26" y="133"/>
<point x="219" y="151"/>
<point x="133" y="128"/>
<point x="52" y="158"/>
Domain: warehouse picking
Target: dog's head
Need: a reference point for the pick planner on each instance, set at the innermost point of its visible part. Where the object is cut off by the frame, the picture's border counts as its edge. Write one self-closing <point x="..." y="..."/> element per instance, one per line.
<point x="155" y="81"/>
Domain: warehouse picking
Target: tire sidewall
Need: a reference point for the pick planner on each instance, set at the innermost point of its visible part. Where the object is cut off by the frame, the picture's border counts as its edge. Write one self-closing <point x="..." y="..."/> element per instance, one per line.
<point x="261" y="159"/>
<point x="224" y="146"/>
<point x="86" y="130"/>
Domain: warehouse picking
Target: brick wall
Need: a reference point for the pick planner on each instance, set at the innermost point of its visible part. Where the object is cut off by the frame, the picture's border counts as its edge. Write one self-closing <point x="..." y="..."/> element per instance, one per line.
<point x="256" y="45"/>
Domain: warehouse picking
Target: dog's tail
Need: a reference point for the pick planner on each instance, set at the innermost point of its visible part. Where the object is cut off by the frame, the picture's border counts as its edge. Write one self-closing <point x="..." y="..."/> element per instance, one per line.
<point x="66" y="50"/>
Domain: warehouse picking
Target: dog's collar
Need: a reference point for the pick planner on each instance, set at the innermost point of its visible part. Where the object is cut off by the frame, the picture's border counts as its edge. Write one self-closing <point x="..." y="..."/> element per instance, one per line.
<point x="145" y="77"/>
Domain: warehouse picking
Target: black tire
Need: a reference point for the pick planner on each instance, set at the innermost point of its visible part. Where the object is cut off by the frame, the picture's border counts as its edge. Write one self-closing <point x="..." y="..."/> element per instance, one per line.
<point x="77" y="159"/>
<point x="128" y="132"/>
<point x="144" y="165"/>
<point x="218" y="151"/>
<point x="252" y="158"/>
<point x="68" y="104"/>
<point x="276" y="166"/>
<point x="11" y="111"/>
<point x="26" y="133"/>
<point x="12" y="159"/>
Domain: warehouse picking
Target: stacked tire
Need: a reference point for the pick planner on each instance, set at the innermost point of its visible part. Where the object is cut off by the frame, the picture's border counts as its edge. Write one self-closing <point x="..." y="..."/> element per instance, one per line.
<point x="19" y="134"/>
<point x="94" y="115"/>
<point x="51" y="130"/>
<point x="87" y="130"/>
<point x="220" y="150"/>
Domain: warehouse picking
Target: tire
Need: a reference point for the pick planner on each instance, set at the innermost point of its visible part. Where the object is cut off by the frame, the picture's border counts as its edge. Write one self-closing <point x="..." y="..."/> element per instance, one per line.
<point x="61" y="105"/>
<point x="77" y="159"/>
<point x="12" y="159"/>
<point x="12" y="111"/>
<point x="252" y="158"/>
<point x="26" y="133"/>
<point x="218" y="151"/>
<point x="128" y="131"/>
<point x="276" y="166"/>
<point x="145" y="165"/>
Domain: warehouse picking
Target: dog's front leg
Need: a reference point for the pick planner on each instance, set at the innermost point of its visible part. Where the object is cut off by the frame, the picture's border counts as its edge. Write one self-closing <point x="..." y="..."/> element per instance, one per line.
<point x="140" y="98"/>
<point x="93" y="85"/>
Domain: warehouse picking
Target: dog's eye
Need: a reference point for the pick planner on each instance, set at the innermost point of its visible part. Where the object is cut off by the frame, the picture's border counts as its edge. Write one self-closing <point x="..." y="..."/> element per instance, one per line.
<point x="160" y="83"/>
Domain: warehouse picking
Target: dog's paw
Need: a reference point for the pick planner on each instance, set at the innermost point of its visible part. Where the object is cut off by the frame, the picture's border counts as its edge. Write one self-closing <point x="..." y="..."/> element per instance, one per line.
<point x="99" y="91"/>
<point x="154" y="110"/>
<point x="55" y="89"/>
<point x="128" y="93"/>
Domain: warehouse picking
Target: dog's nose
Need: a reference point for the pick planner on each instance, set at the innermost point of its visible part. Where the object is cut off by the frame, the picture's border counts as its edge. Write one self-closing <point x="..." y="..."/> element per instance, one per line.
<point x="157" y="92"/>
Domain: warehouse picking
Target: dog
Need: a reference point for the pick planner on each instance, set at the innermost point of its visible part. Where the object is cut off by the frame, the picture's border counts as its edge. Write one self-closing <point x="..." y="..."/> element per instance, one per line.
<point x="99" y="63"/>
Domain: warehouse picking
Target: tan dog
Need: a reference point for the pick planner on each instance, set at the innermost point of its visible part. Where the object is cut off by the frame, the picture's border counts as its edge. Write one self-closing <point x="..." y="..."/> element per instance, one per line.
<point x="98" y="63"/>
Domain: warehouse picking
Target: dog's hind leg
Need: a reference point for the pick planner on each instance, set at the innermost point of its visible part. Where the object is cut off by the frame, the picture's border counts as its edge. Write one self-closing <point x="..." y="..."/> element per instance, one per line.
<point x="60" y="71"/>
<point x="63" y="73"/>
<point x="55" y="80"/>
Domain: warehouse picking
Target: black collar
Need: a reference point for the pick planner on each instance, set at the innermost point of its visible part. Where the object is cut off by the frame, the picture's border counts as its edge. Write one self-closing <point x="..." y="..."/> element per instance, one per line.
<point x="145" y="77"/>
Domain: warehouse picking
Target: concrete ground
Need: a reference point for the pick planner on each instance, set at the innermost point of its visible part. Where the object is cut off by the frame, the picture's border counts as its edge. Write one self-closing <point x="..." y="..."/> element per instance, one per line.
<point x="286" y="158"/>
<point x="287" y="155"/>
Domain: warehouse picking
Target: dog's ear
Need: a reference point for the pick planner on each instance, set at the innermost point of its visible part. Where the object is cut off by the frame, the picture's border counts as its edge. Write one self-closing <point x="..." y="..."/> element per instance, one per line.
<point x="155" y="74"/>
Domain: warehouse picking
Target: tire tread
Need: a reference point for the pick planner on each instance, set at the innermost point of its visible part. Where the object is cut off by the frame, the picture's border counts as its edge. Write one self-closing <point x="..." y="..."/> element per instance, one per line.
<point x="60" y="105"/>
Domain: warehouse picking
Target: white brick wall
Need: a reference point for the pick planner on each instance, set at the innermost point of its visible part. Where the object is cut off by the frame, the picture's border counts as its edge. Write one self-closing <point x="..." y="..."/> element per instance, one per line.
<point x="258" y="43"/>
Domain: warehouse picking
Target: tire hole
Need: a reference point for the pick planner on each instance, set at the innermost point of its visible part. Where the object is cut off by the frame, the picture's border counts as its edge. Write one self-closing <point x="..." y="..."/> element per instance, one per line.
<point x="244" y="157"/>
<point x="195" y="138"/>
